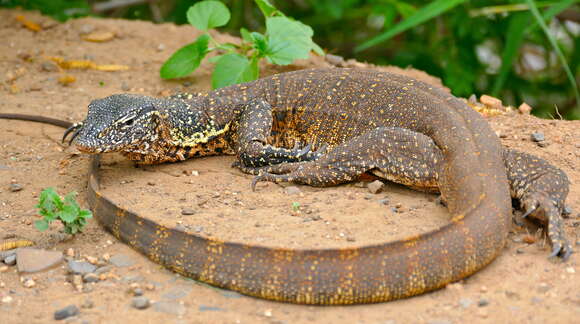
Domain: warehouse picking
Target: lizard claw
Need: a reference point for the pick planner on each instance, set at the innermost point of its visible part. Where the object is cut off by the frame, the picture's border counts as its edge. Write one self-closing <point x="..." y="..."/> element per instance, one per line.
<point x="546" y="210"/>
<point x="76" y="127"/>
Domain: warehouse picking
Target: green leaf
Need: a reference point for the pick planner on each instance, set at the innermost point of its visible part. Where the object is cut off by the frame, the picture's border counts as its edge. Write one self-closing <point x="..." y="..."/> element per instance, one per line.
<point x="433" y="9"/>
<point x="267" y="9"/>
<point x="186" y="59"/>
<point x="260" y="43"/>
<point x="214" y="59"/>
<point x="84" y="213"/>
<point x="246" y="36"/>
<point x="232" y="69"/>
<point x="288" y="40"/>
<point x="68" y="214"/>
<point x="41" y="224"/>
<point x="49" y="200"/>
<point x="208" y="14"/>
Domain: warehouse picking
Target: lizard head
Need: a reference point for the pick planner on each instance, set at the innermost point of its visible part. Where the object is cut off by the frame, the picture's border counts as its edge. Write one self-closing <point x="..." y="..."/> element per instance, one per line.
<point x="144" y="128"/>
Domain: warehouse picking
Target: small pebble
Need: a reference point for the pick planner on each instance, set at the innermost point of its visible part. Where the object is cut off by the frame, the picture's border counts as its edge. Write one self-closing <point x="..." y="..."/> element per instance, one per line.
<point x="465" y="302"/>
<point x="66" y="312"/>
<point x="187" y="211"/>
<point x="570" y="270"/>
<point x="483" y="302"/>
<point x="567" y="211"/>
<point x="29" y="283"/>
<point x="384" y="201"/>
<point x="140" y="302"/>
<point x="121" y="260"/>
<point x="538" y="137"/>
<point x="292" y="190"/>
<point x="10" y="259"/>
<point x="88" y="304"/>
<point x="90" y="277"/>
<point x="472" y="99"/>
<point x="520" y="251"/>
<point x="161" y="47"/>
<point x="3" y="269"/>
<point x="48" y="66"/>
<point x="543" y="144"/>
<point x="81" y="267"/>
<point x="6" y="299"/>
<point x="375" y="186"/>
<point x="14" y="187"/>
<point x="70" y="252"/>
<point x="525" y="109"/>
<point x="86" y="29"/>
<point x="137" y="291"/>
<point x="491" y="101"/>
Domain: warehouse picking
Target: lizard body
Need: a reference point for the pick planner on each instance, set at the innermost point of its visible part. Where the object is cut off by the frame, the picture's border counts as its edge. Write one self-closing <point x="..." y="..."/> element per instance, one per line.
<point x="352" y="121"/>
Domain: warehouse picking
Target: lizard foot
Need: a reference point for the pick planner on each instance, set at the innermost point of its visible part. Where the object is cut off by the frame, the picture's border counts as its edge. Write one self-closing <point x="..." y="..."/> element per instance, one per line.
<point x="544" y="209"/>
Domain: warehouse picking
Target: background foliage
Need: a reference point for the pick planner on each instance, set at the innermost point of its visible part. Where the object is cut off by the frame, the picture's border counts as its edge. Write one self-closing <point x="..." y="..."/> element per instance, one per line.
<point x="463" y="42"/>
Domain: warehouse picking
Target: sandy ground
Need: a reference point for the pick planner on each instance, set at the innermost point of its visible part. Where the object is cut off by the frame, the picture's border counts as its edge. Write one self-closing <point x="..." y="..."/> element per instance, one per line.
<point x="521" y="286"/>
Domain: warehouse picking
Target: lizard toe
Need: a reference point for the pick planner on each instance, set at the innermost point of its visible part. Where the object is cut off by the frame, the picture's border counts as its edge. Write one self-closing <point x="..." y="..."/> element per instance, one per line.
<point x="543" y="208"/>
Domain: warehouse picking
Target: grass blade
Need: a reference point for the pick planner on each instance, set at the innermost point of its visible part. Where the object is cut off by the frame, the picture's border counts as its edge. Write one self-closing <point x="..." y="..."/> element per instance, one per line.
<point x="431" y="10"/>
<point x="557" y="49"/>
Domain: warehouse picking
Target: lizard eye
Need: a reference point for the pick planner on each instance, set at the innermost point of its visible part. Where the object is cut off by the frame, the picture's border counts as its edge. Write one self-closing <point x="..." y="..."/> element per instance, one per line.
<point x="128" y="122"/>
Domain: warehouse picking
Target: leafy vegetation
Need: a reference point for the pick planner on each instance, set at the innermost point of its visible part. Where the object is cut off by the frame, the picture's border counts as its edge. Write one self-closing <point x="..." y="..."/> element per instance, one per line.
<point x="51" y="207"/>
<point x="284" y="41"/>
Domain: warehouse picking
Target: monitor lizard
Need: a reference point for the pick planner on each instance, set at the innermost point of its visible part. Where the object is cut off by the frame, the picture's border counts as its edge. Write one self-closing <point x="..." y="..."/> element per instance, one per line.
<point x="322" y="128"/>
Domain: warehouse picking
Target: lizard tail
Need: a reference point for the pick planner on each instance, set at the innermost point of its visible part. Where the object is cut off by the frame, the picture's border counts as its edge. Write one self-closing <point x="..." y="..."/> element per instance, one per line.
<point x="38" y="119"/>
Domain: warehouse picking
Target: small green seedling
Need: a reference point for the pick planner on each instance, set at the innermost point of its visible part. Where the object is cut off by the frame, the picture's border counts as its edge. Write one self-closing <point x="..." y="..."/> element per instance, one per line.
<point x="295" y="206"/>
<point x="52" y="207"/>
<point x="284" y="41"/>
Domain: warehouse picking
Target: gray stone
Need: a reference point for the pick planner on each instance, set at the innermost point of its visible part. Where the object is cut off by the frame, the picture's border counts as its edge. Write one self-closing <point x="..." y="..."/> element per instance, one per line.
<point x="187" y="211"/>
<point x="81" y="267"/>
<point x="140" y="302"/>
<point x="292" y="190"/>
<point x="103" y="269"/>
<point x="177" y="292"/>
<point x="205" y="308"/>
<point x="483" y="302"/>
<point x="169" y="307"/>
<point x="384" y="201"/>
<point x="34" y="260"/>
<point x="538" y="137"/>
<point x="121" y="260"/>
<point x="14" y="187"/>
<point x="10" y="259"/>
<point x="465" y="302"/>
<point x="375" y="186"/>
<point x="90" y="277"/>
<point x="70" y="310"/>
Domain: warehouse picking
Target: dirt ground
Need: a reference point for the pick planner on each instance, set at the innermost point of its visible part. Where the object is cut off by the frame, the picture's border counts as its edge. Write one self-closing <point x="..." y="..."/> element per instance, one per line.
<point x="521" y="286"/>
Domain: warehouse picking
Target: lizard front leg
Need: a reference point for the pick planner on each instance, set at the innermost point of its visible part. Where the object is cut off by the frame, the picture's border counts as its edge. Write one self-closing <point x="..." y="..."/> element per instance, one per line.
<point x="413" y="159"/>
<point x="252" y="129"/>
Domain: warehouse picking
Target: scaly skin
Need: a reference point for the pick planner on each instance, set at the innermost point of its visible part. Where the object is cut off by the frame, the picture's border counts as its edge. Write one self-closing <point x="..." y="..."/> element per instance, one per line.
<point x="353" y="118"/>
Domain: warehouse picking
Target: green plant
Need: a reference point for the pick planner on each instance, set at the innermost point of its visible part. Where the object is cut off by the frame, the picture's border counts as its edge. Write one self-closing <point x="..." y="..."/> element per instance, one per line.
<point x="52" y="207"/>
<point x="284" y="41"/>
